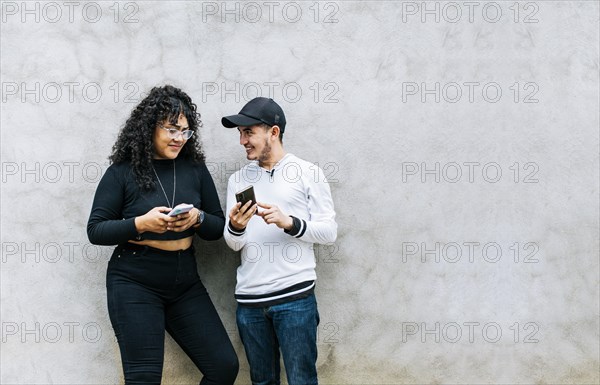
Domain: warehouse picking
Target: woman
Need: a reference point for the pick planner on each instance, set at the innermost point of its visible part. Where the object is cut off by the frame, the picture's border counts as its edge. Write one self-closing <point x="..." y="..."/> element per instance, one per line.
<point x="152" y="282"/>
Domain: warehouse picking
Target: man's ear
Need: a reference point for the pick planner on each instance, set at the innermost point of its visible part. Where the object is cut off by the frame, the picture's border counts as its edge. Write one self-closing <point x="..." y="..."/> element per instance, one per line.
<point x="275" y="131"/>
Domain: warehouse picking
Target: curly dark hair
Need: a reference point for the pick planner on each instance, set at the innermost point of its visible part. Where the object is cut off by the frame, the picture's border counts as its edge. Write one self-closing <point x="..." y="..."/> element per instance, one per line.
<point x="134" y="143"/>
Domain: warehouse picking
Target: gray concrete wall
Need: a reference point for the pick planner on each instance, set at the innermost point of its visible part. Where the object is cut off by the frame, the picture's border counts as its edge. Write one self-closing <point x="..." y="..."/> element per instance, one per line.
<point x="460" y="140"/>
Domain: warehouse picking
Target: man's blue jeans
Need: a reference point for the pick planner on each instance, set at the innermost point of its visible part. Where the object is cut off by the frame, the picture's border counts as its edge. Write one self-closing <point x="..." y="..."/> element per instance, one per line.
<point x="291" y="327"/>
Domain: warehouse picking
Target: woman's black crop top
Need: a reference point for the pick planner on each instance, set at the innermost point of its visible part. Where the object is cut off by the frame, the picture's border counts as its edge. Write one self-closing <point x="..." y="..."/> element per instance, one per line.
<point x="119" y="200"/>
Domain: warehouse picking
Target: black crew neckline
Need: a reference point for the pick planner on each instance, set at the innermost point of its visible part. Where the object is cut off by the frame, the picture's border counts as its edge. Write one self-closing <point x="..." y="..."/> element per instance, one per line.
<point x="162" y="163"/>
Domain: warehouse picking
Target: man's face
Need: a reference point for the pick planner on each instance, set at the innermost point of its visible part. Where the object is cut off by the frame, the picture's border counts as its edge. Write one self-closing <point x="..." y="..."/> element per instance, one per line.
<point x="255" y="140"/>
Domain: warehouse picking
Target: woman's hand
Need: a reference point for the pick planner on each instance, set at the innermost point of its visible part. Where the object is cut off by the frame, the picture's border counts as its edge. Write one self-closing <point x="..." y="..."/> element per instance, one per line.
<point x="185" y="221"/>
<point x="155" y="221"/>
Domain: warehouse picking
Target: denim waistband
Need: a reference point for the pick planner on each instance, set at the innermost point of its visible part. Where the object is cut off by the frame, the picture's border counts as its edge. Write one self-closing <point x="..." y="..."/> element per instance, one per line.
<point x="154" y="250"/>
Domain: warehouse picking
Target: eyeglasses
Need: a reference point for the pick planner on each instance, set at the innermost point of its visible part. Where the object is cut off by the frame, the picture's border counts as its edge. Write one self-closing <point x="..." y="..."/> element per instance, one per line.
<point x="174" y="133"/>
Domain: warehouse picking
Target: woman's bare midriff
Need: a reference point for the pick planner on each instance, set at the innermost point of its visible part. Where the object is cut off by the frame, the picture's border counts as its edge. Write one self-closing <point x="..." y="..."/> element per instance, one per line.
<point x="171" y="245"/>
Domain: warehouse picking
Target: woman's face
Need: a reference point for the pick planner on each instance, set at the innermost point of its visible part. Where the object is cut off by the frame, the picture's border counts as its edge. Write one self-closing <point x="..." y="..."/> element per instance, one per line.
<point x="166" y="147"/>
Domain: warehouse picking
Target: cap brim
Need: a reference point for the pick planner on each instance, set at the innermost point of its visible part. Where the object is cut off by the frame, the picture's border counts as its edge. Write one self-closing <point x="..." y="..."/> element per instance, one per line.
<point x="239" y="120"/>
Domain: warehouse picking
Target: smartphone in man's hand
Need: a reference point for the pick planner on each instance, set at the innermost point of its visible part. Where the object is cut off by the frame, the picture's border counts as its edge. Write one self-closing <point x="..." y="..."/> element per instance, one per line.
<point x="246" y="195"/>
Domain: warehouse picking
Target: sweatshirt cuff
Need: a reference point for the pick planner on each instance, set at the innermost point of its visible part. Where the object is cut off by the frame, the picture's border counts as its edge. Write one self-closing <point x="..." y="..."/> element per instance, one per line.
<point x="298" y="227"/>
<point x="233" y="231"/>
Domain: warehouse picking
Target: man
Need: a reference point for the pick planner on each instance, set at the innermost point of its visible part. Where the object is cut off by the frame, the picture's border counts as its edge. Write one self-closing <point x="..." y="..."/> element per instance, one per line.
<point x="277" y="310"/>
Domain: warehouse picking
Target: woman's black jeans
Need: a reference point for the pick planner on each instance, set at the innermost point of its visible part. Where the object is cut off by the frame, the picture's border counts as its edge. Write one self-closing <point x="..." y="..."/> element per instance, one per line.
<point x="150" y="291"/>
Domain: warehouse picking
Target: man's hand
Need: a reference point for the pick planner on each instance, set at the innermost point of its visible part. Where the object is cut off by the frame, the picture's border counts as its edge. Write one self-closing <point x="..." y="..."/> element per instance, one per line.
<point x="240" y="216"/>
<point x="274" y="215"/>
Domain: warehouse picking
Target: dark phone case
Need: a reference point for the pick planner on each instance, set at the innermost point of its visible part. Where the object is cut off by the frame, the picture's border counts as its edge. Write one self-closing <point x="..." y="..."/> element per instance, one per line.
<point x="246" y="195"/>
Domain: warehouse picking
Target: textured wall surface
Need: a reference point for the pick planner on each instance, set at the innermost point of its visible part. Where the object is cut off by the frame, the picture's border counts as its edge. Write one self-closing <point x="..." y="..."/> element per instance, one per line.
<point x="460" y="140"/>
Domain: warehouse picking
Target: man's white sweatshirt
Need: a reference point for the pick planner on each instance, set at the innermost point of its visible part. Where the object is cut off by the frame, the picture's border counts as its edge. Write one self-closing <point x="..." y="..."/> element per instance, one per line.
<point x="277" y="265"/>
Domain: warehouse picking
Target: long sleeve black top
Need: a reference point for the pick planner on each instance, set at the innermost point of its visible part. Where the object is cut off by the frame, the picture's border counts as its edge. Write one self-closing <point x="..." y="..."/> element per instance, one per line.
<point x="119" y="200"/>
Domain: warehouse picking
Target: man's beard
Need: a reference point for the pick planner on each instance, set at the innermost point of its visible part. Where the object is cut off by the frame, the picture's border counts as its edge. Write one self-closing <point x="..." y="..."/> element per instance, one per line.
<point x="265" y="154"/>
